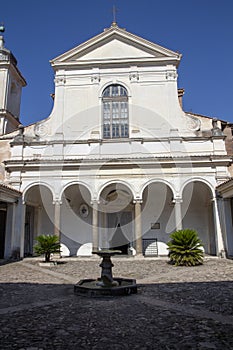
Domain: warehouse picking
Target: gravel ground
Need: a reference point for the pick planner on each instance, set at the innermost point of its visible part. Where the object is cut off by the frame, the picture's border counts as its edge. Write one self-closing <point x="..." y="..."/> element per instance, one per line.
<point x="175" y="307"/>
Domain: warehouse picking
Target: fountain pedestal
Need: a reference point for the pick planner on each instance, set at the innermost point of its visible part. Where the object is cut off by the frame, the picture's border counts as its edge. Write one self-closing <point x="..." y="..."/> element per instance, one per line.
<point x="106" y="285"/>
<point x="106" y="279"/>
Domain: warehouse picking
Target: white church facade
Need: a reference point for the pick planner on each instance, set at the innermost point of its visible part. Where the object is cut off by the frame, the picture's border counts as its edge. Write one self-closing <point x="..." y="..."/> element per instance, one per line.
<point x="118" y="163"/>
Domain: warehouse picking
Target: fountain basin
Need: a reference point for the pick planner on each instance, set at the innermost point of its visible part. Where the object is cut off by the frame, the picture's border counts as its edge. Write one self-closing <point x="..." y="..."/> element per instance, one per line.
<point x="91" y="288"/>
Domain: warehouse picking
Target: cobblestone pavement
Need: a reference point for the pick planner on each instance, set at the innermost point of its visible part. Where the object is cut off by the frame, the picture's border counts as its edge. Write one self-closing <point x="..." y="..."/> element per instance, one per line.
<point x="175" y="307"/>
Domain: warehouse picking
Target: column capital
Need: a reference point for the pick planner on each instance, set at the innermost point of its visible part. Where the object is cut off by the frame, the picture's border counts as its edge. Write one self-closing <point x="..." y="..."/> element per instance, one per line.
<point x="57" y="202"/>
<point x="177" y="200"/>
<point x="95" y="201"/>
<point x="137" y="201"/>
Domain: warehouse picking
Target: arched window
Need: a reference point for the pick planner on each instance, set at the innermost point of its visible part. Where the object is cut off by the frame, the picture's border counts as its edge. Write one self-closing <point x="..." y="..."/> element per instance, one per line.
<point x="115" y="112"/>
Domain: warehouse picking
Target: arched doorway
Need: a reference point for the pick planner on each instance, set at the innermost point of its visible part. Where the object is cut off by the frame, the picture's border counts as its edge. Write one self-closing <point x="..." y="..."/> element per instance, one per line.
<point x="197" y="213"/>
<point x="76" y="220"/>
<point x="39" y="215"/>
<point x="116" y="217"/>
<point x="158" y="218"/>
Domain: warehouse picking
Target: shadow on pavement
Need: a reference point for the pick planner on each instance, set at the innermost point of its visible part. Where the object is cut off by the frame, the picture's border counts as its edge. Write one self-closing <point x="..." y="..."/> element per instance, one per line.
<point x="50" y="316"/>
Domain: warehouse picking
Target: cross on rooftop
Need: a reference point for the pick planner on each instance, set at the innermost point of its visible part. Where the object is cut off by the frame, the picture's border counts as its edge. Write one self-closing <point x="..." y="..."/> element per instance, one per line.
<point x="114" y="12"/>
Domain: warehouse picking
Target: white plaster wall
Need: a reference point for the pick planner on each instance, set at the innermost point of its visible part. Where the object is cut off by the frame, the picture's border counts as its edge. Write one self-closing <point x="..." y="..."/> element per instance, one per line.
<point x="77" y="230"/>
<point x="126" y="149"/>
<point x="153" y="99"/>
<point x="115" y="48"/>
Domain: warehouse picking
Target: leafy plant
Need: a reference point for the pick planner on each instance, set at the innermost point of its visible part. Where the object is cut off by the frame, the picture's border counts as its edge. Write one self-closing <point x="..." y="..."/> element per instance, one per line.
<point x="47" y="245"/>
<point x="185" y="248"/>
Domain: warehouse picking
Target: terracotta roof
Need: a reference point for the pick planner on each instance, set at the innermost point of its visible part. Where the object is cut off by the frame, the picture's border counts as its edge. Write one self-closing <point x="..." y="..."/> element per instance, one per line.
<point x="9" y="188"/>
<point x="225" y="182"/>
<point x="208" y="117"/>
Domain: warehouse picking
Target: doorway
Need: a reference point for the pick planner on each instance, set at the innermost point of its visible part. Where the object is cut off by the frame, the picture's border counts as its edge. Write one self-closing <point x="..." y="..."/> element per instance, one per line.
<point x="120" y="226"/>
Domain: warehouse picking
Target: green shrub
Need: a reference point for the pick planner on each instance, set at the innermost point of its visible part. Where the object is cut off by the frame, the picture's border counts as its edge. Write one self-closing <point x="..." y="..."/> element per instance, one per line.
<point x="47" y="245"/>
<point x="185" y="248"/>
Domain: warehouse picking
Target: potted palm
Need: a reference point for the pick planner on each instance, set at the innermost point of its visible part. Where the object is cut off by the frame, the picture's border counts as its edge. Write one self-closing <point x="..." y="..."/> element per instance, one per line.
<point x="185" y="248"/>
<point x="47" y="245"/>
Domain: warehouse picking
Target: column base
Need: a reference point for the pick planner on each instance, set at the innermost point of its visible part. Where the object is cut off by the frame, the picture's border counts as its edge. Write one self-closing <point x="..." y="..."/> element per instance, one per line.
<point x="222" y="254"/>
<point x="139" y="255"/>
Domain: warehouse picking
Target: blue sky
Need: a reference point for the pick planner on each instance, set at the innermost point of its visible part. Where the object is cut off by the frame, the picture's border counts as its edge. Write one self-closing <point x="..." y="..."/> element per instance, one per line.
<point x="202" y="30"/>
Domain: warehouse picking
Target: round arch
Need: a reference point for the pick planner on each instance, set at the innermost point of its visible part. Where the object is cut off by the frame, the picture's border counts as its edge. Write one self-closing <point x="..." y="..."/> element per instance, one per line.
<point x="31" y="185"/>
<point x="198" y="179"/>
<point x="158" y="216"/>
<point x="115" y="182"/>
<point x="116" y="210"/>
<point x="39" y="213"/>
<point x="198" y="211"/>
<point x="72" y="183"/>
<point x="75" y="217"/>
<point x="114" y="82"/>
<point x="152" y="181"/>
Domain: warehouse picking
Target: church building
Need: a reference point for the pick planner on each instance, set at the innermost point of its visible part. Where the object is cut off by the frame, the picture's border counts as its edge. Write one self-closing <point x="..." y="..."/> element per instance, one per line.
<point x="118" y="163"/>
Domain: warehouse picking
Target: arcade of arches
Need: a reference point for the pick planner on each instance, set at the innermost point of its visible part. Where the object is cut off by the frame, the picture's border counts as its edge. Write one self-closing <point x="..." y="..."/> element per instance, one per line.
<point x="119" y="220"/>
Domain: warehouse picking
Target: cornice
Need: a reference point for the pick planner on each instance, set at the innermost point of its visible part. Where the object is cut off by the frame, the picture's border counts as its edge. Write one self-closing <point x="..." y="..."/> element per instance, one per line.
<point x="137" y="160"/>
<point x="107" y="63"/>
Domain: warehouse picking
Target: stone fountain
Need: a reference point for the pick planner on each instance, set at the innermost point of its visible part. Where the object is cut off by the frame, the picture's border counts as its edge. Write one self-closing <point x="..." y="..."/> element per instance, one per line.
<point x="106" y="285"/>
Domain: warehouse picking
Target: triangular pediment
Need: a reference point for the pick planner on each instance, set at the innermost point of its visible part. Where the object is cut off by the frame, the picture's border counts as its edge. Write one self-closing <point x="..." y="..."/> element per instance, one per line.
<point x="115" y="44"/>
<point x="114" y="48"/>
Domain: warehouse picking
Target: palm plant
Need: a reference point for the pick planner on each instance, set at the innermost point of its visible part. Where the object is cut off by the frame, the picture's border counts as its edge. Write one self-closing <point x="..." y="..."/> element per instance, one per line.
<point x="47" y="245"/>
<point x="185" y="248"/>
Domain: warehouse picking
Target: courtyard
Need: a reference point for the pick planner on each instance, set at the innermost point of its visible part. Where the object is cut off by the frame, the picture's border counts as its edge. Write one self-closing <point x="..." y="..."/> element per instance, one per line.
<point x="175" y="308"/>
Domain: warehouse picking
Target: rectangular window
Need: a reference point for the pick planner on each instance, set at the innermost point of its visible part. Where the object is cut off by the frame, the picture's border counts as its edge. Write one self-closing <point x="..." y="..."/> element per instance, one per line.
<point x="107" y="133"/>
<point x="115" y="112"/>
<point x="115" y="130"/>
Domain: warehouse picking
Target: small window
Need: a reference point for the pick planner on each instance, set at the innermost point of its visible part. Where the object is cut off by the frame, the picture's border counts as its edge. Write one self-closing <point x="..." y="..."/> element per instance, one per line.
<point x="115" y="112"/>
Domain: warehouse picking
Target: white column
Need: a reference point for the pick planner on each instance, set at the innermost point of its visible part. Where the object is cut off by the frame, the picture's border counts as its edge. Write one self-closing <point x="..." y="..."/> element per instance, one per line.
<point x="138" y="227"/>
<point x="13" y="226"/>
<point x="22" y="229"/>
<point x="178" y="213"/>
<point x="220" y="250"/>
<point x="104" y="231"/>
<point x="95" y="228"/>
<point x="56" y="223"/>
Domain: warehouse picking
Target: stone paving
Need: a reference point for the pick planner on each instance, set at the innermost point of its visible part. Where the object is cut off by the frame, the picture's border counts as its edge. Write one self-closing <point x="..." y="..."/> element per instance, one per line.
<point x="175" y="308"/>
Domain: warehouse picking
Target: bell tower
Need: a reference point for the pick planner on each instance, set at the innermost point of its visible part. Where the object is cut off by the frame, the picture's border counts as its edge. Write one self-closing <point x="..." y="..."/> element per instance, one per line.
<point x="11" y="83"/>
